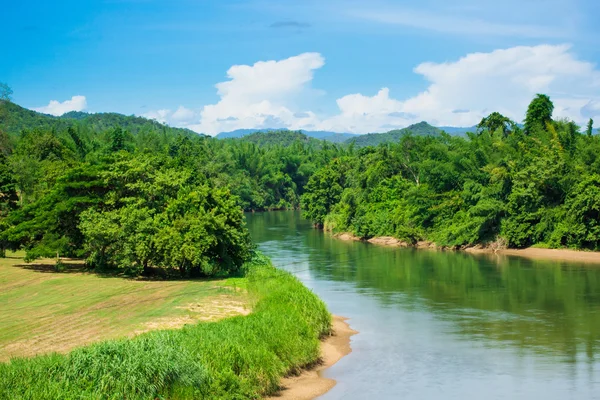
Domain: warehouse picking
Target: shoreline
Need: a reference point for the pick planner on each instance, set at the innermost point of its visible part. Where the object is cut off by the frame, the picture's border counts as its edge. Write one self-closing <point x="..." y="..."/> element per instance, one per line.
<point x="582" y="256"/>
<point x="310" y="383"/>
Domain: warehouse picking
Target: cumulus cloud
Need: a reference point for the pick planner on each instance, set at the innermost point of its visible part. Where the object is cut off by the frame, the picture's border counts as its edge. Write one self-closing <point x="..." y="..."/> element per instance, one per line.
<point x="459" y="93"/>
<point x="504" y="81"/>
<point x="55" y="107"/>
<point x="161" y="116"/>
<point x="255" y="96"/>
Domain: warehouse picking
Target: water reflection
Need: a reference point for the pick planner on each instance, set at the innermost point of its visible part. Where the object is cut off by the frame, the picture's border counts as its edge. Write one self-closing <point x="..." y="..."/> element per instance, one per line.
<point x="550" y="309"/>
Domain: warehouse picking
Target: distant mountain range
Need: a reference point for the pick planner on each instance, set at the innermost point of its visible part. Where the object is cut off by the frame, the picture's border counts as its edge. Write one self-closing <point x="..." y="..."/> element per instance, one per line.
<point x="370" y="139"/>
<point x="19" y="118"/>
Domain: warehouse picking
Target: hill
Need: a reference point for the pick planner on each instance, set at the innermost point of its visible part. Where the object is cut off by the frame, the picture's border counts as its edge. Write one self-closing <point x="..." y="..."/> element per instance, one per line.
<point x="280" y="138"/>
<point x="374" y="139"/>
<point x="333" y="137"/>
<point x="15" y="119"/>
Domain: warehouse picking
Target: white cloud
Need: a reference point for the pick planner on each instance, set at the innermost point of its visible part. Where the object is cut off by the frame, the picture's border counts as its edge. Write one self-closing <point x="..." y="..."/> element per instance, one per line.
<point x="77" y="103"/>
<point x="183" y="115"/>
<point x="477" y="84"/>
<point x="255" y="96"/>
<point x="161" y="116"/>
<point x="459" y="93"/>
<point x="259" y="95"/>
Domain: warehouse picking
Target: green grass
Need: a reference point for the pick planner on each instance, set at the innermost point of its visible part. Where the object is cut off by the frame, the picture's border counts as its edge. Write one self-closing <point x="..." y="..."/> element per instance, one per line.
<point x="43" y="311"/>
<point x="235" y="358"/>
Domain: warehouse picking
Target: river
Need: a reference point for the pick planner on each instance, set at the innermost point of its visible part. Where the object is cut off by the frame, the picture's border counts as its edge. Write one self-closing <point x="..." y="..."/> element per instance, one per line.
<point x="446" y="325"/>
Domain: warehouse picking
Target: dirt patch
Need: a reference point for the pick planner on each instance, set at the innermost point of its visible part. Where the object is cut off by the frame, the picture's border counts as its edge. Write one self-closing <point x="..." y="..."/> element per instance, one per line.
<point x="388" y="241"/>
<point x="347" y="236"/>
<point x="212" y="309"/>
<point x="311" y="383"/>
<point x="591" y="257"/>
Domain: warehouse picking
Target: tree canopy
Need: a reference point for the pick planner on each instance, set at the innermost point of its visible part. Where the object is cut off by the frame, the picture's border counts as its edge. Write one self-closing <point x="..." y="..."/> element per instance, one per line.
<point x="501" y="186"/>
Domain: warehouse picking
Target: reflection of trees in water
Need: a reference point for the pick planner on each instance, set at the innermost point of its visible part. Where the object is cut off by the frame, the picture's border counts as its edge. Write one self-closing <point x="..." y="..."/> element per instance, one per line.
<point x="548" y="306"/>
<point x="538" y="304"/>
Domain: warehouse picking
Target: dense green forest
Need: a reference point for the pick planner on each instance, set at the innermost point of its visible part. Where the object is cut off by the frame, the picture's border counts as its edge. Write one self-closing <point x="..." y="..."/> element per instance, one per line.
<point x="129" y="193"/>
<point x="503" y="185"/>
<point x="375" y="139"/>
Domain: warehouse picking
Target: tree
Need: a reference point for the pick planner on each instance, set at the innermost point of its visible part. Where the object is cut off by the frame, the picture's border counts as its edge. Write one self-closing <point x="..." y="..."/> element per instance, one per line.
<point x="539" y="113"/>
<point x="5" y="92"/>
<point x="323" y="191"/>
<point x="117" y="140"/>
<point x="8" y="188"/>
<point x="496" y="121"/>
<point x="590" y="127"/>
<point x="51" y="223"/>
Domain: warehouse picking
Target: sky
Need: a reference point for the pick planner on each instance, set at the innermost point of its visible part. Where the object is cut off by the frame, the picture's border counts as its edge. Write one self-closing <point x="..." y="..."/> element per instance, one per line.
<point x="336" y="65"/>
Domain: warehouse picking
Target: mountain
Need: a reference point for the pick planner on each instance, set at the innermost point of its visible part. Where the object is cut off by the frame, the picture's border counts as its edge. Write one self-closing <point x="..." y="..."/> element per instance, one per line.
<point x="374" y="139"/>
<point x="14" y="119"/>
<point x="334" y="137"/>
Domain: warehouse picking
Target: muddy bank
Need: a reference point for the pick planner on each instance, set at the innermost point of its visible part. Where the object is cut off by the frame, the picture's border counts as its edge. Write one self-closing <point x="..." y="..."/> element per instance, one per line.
<point x="310" y="383"/>
<point x="530" y="252"/>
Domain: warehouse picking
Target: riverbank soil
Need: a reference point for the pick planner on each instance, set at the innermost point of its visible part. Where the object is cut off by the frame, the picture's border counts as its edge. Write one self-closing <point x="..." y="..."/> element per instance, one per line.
<point x="581" y="256"/>
<point x="547" y="254"/>
<point x="43" y="311"/>
<point x="310" y="383"/>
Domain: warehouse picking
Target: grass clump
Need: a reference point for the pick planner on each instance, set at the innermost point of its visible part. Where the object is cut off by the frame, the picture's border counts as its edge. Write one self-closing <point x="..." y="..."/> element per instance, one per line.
<point x="237" y="358"/>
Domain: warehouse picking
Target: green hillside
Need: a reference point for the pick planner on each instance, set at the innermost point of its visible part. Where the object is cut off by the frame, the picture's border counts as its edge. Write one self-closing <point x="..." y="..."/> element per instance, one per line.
<point x="280" y="138"/>
<point x="375" y="139"/>
<point x="14" y="119"/>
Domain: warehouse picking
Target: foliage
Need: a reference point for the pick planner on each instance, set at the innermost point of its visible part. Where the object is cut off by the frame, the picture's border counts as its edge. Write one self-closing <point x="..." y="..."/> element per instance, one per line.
<point x="501" y="184"/>
<point x="539" y="113"/>
<point x="496" y="121"/>
<point x="280" y="138"/>
<point x="240" y="357"/>
<point x="374" y="139"/>
<point x="129" y="193"/>
<point x="590" y="127"/>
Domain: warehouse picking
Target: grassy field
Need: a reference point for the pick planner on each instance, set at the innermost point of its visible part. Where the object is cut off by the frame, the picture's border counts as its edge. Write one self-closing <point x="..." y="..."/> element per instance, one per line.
<point x="43" y="311"/>
<point x="242" y="357"/>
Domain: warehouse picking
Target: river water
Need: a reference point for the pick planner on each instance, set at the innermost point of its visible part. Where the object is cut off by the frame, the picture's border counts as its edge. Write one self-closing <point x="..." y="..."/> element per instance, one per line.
<point x="446" y="325"/>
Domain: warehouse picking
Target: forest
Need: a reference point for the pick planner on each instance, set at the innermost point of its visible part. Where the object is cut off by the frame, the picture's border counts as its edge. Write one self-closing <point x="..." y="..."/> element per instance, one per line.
<point x="131" y="194"/>
<point x="506" y="184"/>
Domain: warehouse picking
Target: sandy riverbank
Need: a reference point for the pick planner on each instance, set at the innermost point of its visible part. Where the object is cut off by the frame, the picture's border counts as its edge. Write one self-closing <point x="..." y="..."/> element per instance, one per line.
<point x="310" y="383"/>
<point x="592" y="257"/>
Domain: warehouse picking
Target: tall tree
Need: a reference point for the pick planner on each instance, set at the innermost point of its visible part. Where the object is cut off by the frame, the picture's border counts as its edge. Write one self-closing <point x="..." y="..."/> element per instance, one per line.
<point x="496" y="121"/>
<point x="5" y="92"/>
<point x="117" y="140"/>
<point x="539" y="113"/>
<point x="590" y="127"/>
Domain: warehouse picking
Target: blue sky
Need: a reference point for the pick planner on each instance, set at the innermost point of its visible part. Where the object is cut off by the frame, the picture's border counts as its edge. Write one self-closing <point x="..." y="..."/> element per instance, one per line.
<point x="353" y="66"/>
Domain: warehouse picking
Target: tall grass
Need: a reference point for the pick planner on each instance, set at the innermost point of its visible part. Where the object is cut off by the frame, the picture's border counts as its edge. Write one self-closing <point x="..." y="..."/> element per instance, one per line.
<point x="237" y="358"/>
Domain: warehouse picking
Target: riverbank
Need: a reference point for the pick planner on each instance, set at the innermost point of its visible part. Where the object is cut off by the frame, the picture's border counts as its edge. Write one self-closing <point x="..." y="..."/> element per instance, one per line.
<point x="238" y="357"/>
<point x="592" y="257"/>
<point x="310" y="383"/>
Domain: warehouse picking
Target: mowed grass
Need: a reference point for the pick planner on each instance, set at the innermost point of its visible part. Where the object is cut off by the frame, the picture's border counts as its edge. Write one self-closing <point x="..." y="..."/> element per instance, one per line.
<point x="43" y="311"/>
<point x="242" y="357"/>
